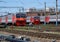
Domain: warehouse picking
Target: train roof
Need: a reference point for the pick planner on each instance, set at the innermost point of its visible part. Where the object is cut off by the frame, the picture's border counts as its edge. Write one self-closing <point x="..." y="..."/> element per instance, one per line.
<point x="20" y="13"/>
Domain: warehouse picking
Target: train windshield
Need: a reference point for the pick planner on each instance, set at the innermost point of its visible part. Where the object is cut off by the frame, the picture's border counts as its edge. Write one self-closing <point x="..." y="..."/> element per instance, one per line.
<point x="23" y="15"/>
<point x="36" y="17"/>
<point x="17" y="15"/>
<point x="20" y="15"/>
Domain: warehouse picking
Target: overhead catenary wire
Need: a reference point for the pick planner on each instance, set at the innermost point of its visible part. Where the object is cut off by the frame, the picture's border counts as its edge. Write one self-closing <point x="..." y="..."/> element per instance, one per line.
<point x="39" y="2"/>
<point x="22" y="2"/>
<point x="2" y="1"/>
<point x="9" y="7"/>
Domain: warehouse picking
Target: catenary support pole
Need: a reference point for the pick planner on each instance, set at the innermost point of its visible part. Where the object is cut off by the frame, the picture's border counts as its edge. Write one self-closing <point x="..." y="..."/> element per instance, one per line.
<point x="56" y="12"/>
<point x="45" y="13"/>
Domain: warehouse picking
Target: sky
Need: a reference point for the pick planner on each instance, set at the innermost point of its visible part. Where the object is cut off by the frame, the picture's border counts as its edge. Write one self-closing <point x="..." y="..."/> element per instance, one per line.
<point x="39" y="4"/>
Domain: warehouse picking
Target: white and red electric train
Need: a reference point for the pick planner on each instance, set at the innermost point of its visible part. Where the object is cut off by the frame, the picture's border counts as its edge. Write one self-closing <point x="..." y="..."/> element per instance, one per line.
<point x="20" y="19"/>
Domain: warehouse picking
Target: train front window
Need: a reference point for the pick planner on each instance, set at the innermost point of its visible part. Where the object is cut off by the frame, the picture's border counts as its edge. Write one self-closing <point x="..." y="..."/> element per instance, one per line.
<point x="36" y="17"/>
<point x="23" y="15"/>
<point x="20" y="15"/>
<point x="17" y="15"/>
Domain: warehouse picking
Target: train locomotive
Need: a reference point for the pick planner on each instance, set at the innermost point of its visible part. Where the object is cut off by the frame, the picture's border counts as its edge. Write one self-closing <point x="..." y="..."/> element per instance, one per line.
<point x="21" y="19"/>
<point x="36" y="20"/>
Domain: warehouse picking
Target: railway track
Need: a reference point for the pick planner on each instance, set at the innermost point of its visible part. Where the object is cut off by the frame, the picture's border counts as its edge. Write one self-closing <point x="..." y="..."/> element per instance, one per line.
<point x="34" y="34"/>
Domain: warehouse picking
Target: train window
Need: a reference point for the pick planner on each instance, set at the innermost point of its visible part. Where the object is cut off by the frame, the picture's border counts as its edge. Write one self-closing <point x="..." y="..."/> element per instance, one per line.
<point x="36" y="17"/>
<point x="52" y="14"/>
<point x="20" y="15"/>
<point x="23" y="15"/>
<point x="17" y="15"/>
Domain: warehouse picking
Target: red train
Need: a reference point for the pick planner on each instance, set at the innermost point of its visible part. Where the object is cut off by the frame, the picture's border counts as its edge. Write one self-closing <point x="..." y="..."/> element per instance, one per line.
<point x="35" y="20"/>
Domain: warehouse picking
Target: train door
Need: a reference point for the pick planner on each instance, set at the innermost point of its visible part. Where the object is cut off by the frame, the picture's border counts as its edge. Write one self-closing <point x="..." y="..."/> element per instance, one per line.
<point x="47" y="19"/>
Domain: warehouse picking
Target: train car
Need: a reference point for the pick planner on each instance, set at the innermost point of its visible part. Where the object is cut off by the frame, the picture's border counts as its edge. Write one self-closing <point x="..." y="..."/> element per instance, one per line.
<point x="50" y="18"/>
